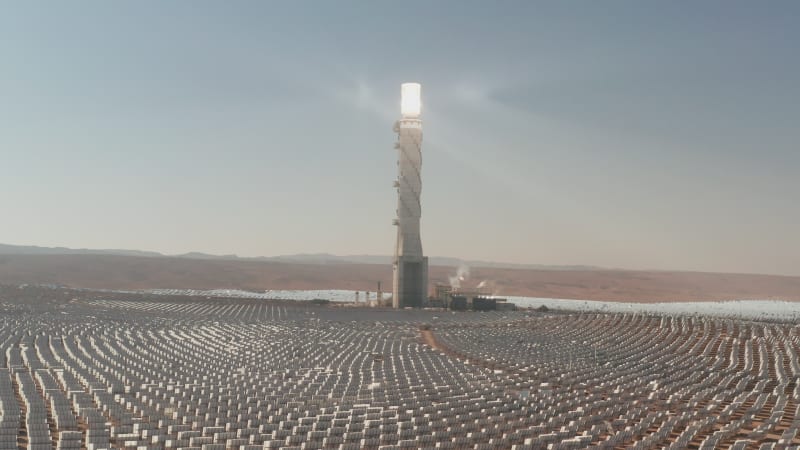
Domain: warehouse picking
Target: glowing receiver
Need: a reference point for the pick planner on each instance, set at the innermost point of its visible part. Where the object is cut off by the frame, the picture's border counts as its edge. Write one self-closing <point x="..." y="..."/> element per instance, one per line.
<point x="410" y="101"/>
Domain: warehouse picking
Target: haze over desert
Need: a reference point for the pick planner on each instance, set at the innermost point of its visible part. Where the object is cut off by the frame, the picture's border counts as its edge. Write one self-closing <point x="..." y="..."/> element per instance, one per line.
<point x="132" y="272"/>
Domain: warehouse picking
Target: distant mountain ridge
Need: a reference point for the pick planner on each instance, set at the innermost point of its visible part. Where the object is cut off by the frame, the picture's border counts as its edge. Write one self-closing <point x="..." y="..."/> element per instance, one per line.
<point x="7" y="249"/>
<point x="311" y="258"/>
<point x="433" y="260"/>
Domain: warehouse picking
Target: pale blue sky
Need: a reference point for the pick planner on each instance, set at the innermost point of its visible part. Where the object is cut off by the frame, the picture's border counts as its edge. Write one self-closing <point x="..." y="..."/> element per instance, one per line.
<point x="651" y="135"/>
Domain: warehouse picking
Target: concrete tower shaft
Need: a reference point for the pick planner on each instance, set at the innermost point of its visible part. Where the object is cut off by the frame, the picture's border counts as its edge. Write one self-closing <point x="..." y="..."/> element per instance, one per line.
<point x="410" y="283"/>
<point x="409" y="186"/>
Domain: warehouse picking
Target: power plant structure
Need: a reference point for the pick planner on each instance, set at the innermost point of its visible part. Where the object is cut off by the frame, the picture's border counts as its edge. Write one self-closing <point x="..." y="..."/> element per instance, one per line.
<point x="410" y="266"/>
<point x="466" y="299"/>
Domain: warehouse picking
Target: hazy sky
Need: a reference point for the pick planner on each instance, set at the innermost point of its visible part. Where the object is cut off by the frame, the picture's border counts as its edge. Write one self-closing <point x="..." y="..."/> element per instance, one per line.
<point x="652" y="135"/>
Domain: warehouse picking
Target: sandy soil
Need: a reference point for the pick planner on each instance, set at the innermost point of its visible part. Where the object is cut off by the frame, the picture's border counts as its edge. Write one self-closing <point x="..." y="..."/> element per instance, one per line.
<point x="129" y="272"/>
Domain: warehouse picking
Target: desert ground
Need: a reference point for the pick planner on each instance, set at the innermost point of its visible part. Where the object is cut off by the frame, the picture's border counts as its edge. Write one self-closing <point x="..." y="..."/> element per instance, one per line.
<point x="130" y="272"/>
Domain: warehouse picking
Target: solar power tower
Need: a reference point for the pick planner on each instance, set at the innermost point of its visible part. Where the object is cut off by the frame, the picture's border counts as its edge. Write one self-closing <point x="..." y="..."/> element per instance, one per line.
<point x="410" y="282"/>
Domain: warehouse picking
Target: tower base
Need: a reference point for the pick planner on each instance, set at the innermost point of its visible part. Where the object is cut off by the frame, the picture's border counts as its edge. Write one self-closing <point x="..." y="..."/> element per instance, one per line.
<point x="410" y="282"/>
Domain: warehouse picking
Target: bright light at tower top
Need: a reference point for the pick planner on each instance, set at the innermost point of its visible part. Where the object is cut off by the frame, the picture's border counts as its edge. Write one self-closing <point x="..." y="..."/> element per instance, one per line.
<point x="410" y="100"/>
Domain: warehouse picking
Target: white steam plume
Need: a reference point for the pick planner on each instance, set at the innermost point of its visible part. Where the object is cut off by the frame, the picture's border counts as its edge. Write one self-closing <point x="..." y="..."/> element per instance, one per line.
<point x="462" y="273"/>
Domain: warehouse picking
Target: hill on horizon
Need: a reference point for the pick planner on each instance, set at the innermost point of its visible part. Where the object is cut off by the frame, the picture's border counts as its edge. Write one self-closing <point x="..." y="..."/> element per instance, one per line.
<point x="307" y="258"/>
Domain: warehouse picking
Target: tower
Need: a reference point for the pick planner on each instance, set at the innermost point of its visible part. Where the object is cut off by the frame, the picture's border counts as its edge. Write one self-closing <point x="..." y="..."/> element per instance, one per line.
<point x="410" y="281"/>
